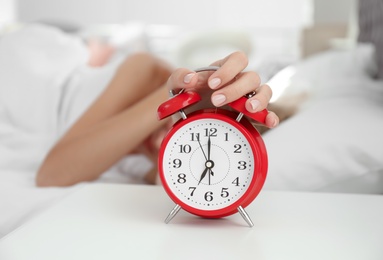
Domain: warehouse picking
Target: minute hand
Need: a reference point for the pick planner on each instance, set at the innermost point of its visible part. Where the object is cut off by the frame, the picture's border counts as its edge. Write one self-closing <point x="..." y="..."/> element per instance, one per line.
<point x="208" y="157"/>
<point x="208" y="148"/>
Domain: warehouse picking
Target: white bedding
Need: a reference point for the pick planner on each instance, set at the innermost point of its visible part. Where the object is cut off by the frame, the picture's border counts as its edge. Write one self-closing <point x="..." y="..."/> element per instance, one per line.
<point x="45" y="85"/>
<point x="332" y="144"/>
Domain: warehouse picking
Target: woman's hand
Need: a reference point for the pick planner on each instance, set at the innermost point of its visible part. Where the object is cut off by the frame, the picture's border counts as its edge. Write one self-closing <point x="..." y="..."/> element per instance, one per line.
<point x="227" y="84"/>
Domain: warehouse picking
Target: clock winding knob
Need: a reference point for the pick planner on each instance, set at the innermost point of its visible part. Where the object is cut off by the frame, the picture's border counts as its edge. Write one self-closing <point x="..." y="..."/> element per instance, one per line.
<point x="177" y="103"/>
<point x="239" y="105"/>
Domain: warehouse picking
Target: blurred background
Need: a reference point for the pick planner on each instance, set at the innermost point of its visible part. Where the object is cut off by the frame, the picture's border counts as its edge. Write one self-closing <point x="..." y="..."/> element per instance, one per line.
<point x="273" y="33"/>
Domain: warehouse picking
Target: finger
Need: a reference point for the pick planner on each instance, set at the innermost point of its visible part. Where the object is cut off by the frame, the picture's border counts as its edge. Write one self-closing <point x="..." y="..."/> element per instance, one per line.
<point x="260" y="100"/>
<point x="272" y="120"/>
<point x="182" y="78"/>
<point x="245" y="83"/>
<point x="230" y="67"/>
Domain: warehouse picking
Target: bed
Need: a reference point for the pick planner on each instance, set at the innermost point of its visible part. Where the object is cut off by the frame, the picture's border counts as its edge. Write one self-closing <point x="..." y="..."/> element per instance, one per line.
<point x="332" y="144"/>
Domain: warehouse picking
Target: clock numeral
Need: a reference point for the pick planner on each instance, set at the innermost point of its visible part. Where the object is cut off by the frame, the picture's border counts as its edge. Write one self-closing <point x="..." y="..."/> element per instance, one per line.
<point x="185" y="148"/>
<point x="242" y="165"/>
<point x="177" y="163"/>
<point x="209" y="196"/>
<point x="211" y="132"/>
<point x="181" y="178"/>
<point x="226" y="137"/>
<point x="192" y="191"/>
<point x="224" y="193"/>
<point x="236" y="181"/>
<point x="194" y="136"/>
<point x="237" y="148"/>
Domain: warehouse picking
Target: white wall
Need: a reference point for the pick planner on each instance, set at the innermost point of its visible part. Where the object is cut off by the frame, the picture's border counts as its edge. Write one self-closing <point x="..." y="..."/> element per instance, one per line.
<point x="80" y="12"/>
<point x="275" y="24"/>
<point x="259" y="13"/>
<point x="251" y="13"/>
<point x="263" y="13"/>
<point x="7" y="12"/>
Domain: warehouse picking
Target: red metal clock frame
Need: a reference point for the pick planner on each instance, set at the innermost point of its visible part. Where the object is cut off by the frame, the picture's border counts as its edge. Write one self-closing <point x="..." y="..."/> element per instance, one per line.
<point x="260" y="160"/>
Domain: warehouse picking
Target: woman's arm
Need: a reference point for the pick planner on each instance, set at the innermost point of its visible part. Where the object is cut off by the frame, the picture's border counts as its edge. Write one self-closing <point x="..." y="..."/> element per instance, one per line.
<point x="115" y="125"/>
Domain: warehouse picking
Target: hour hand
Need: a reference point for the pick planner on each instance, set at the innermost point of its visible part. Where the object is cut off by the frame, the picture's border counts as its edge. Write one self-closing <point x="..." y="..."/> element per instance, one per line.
<point x="203" y="175"/>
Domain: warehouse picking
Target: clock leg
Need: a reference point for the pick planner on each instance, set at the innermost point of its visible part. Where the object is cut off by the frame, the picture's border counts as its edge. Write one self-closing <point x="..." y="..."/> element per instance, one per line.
<point x="172" y="213"/>
<point x="245" y="216"/>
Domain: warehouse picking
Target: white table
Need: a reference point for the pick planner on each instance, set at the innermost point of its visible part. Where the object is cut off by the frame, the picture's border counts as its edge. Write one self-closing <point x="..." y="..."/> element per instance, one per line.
<point x="105" y="221"/>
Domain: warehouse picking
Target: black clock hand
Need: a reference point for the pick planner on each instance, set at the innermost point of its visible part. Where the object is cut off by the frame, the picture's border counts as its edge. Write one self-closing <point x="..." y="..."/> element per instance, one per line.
<point x="201" y="148"/>
<point x="211" y="173"/>
<point x="203" y="175"/>
<point x="209" y="163"/>
<point x="208" y="148"/>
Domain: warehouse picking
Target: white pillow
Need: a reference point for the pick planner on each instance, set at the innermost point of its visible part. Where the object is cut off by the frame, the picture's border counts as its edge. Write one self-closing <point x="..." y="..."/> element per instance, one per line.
<point x="319" y="73"/>
<point x="334" y="143"/>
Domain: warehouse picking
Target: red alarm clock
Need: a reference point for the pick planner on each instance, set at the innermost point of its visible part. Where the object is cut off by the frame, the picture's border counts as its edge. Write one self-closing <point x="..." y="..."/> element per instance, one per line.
<point x="212" y="162"/>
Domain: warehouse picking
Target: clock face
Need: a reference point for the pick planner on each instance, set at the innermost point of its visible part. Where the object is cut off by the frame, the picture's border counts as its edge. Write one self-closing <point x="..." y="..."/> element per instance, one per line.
<point x="208" y="164"/>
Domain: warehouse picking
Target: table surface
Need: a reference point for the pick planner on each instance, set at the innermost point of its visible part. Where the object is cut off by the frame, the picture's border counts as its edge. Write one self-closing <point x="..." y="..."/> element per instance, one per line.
<point x="112" y="221"/>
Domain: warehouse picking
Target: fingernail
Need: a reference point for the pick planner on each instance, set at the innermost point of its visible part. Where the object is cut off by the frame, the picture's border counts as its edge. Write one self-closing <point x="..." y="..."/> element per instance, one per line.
<point x="254" y="104"/>
<point x="188" y="78"/>
<point x="275" y="123"/>
<point x="218" y="99"/>
<point x="214" y="83"/>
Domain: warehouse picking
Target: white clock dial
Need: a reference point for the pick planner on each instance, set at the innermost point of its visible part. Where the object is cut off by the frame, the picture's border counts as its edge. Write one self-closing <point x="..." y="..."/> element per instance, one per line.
<point x="208" y="164"/>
